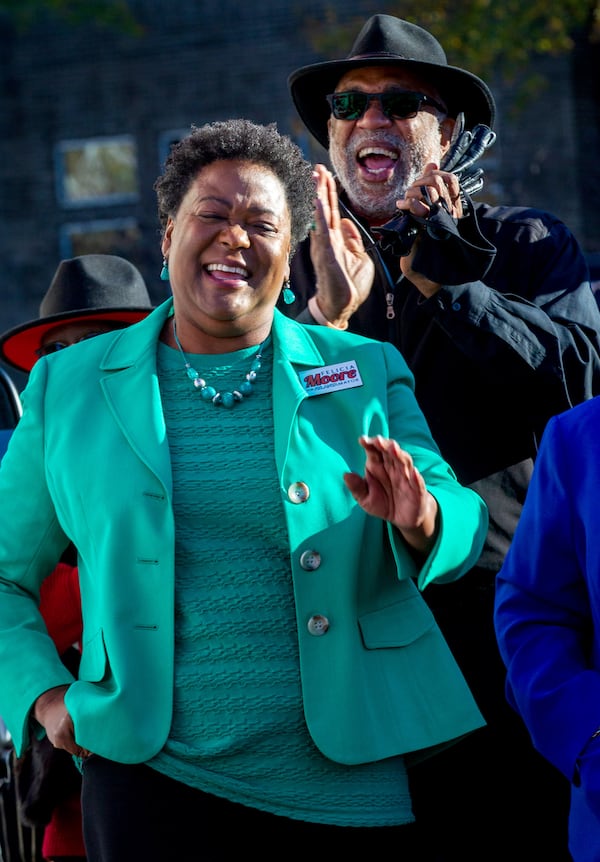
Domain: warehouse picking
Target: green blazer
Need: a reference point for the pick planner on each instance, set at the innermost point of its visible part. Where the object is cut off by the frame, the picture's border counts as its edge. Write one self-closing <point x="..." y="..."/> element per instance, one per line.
<point x="89" y="462"/>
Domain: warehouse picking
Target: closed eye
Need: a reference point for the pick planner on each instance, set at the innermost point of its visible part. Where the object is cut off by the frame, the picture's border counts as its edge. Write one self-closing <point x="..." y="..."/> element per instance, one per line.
<point x="210" y="216"/>
<point x="265" y="227"/>
<point x="257" y="226"/>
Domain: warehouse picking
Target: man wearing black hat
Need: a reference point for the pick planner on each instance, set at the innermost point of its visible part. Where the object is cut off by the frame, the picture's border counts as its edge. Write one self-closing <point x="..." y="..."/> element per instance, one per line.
<point x="491" y="307"/>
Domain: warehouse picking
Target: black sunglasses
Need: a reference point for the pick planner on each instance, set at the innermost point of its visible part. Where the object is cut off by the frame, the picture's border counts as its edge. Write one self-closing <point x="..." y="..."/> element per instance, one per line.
<point x="395" y="104"/>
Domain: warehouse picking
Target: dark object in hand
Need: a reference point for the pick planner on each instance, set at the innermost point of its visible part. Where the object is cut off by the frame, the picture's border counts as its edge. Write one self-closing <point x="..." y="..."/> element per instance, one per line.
<point x="45" y="776"/>
<point x="399" y="233"/>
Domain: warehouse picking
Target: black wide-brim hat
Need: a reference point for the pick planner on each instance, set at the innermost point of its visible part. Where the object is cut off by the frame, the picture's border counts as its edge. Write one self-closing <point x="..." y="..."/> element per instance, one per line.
<point x="93" y="287"/>
<point x="388" y="41"/>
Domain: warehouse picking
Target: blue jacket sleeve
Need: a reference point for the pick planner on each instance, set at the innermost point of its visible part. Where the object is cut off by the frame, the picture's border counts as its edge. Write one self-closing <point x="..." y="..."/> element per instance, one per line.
<point x="548" y="596"/>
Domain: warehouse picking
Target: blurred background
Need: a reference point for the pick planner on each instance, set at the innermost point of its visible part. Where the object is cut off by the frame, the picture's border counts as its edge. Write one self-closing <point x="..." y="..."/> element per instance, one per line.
<point x="92" y="94"/>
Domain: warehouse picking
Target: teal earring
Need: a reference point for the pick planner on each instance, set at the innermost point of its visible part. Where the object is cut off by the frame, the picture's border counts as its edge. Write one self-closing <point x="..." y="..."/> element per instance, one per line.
<point x="164" y="273"/>
<point x="288" y="294"/>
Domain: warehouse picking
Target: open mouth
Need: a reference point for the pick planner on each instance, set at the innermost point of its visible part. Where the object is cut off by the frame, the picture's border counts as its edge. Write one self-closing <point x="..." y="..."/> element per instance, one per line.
<point x="227" y="274"/>
<point x="377" y="162"/>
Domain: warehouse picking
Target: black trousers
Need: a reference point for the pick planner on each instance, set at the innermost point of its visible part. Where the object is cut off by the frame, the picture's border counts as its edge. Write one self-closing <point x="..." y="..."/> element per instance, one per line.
<point x="490" y="796"/>
<point x="135" y="813"/>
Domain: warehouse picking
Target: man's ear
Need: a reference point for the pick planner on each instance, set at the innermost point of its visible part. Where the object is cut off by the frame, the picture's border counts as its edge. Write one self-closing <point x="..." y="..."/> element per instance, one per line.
<point x="446" y="129"/>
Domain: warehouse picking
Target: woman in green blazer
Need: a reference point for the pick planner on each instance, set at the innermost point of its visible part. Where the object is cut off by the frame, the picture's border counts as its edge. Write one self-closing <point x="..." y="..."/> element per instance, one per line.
<point x="255" y="505"/>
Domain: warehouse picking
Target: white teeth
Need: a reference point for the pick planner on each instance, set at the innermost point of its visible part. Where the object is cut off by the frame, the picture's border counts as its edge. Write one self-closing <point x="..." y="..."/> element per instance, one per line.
<point x="237" y="270"/>
<point x="376" y="151"/>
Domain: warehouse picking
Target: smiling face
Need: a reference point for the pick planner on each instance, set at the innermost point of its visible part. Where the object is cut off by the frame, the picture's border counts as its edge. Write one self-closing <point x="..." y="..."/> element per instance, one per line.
<point x="377" y="158"/>
<point x="228" y="250"/>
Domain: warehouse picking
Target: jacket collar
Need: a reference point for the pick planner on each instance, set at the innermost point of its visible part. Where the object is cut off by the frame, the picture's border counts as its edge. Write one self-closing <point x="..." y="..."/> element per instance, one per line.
<point x="131" y="344"/>
<point x="291" y="341"/>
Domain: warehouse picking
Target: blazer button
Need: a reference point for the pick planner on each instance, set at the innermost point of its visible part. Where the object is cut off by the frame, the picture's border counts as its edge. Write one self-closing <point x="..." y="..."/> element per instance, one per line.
<point x="310" y="560"/>
<point x="298" y="492"/>
<point x="318" y="625"/>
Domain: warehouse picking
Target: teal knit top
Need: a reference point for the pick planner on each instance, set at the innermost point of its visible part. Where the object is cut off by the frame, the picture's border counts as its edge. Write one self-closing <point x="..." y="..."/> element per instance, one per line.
<point x="238" y="729"/>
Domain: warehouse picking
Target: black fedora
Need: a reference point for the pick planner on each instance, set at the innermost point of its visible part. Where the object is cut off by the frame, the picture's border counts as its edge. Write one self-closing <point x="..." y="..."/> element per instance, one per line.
<point x="100" y="287"/>
<point x="388" y="41"/>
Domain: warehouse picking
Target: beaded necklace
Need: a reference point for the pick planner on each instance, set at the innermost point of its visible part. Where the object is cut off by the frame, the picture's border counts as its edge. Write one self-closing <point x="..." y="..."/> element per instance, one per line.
<point x="208" y="392"/>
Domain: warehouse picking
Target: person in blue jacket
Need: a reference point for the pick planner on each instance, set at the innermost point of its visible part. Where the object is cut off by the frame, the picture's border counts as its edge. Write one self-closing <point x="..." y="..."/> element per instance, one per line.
<point x="256" y="504"/>
<point x="547" y="615"/>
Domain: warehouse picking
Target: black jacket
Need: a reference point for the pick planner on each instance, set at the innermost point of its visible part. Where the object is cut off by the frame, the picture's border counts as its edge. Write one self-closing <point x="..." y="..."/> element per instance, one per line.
<point x="493" y="359"/>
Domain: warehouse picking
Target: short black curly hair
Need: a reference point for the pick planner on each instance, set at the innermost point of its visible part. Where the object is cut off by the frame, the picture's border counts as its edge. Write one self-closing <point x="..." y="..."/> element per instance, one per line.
<point x="247" y="141"/>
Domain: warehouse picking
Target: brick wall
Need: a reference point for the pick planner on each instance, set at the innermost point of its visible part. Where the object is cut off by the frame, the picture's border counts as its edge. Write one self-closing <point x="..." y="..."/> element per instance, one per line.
<point x="198" y="61"/>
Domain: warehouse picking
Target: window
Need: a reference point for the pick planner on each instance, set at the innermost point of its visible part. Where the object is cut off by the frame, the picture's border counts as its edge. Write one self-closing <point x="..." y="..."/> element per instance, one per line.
<point x="104" y="236"/>
<point x="96" y="171"/>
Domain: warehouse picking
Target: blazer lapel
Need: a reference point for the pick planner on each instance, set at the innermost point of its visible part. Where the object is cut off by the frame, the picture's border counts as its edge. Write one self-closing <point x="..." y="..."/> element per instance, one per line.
<point x="131" y="388"/>
<point x="292" y="348"/>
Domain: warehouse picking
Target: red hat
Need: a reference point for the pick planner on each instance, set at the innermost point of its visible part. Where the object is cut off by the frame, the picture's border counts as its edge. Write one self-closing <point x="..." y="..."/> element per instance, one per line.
<point x="100" y="287"/>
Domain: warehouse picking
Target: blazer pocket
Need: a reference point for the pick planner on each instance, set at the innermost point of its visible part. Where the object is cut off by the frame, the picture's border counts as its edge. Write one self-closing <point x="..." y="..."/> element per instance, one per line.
<point x="396" y="625"/>
<point x="93" y="659"/>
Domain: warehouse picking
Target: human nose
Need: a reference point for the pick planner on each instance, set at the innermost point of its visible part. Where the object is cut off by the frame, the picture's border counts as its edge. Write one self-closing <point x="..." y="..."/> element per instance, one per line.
<point x="235" y="235"/>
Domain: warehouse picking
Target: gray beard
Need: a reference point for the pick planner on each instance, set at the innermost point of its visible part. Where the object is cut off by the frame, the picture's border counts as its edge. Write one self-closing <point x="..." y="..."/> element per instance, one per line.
<point x="377" y="201"/>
